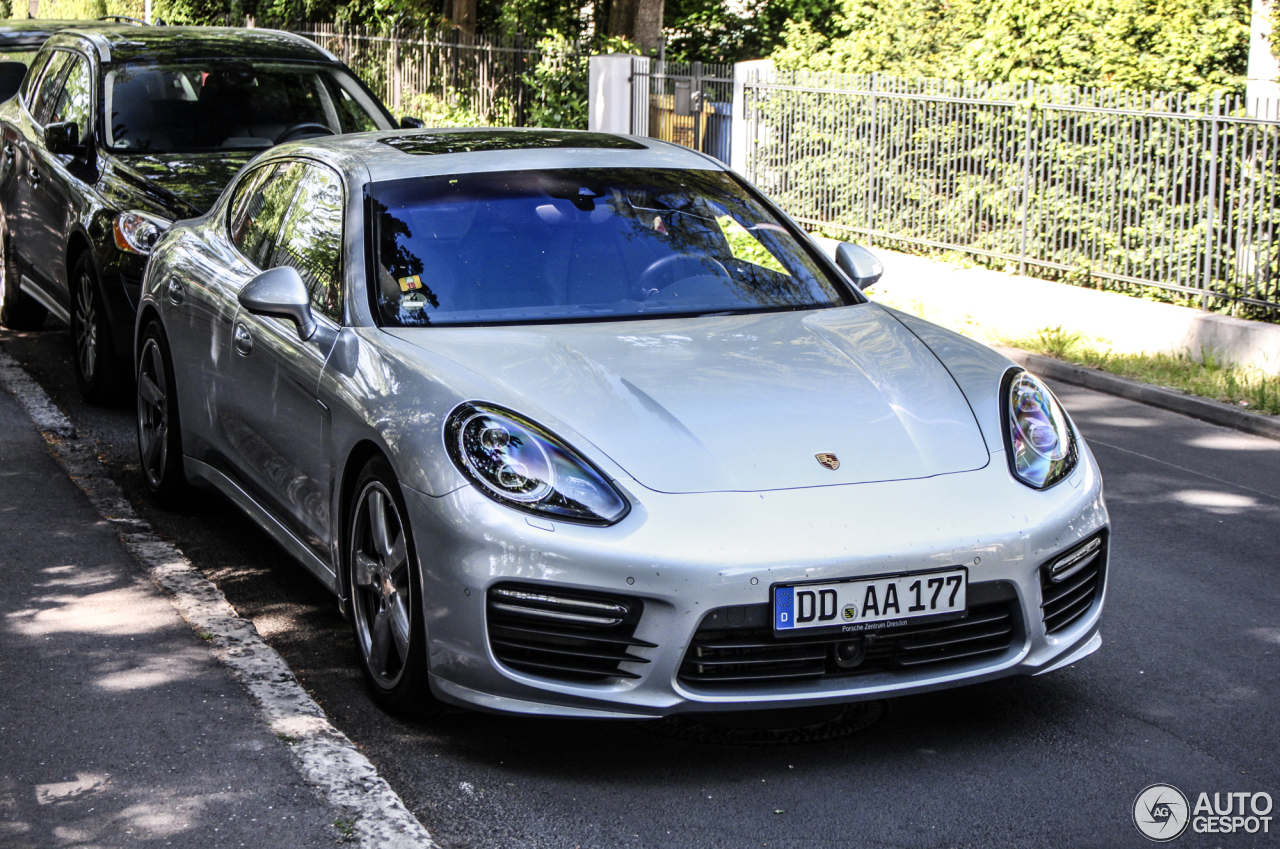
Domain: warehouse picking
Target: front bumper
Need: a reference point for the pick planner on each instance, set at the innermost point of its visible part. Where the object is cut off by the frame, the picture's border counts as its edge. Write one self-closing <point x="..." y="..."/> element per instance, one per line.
<point x="686" y="555"/>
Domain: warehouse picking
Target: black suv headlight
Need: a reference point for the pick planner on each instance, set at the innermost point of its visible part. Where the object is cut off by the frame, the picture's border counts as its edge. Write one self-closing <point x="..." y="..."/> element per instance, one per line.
<point x="137" y="232"/>
<point x="1038" y="437"/>
<point x="521" y="464"/>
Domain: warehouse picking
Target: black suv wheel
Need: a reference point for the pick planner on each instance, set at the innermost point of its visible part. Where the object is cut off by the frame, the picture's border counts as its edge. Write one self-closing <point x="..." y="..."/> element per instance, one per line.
<point x="97" y="367"/>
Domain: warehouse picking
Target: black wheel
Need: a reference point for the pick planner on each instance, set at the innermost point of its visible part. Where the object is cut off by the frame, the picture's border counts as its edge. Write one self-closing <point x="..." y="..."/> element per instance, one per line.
<point x="159" y="435"/>
<point x="97" y="367"/>
<point x="18" y="310"/>
<point x="386" y="597"/>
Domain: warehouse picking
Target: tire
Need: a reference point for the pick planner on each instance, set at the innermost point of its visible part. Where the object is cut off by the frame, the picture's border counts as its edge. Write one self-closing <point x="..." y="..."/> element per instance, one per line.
<point x="159" y="430"/>
<point x="386" y="595"/>
<point x="18" y="310"/>
<point x="96" y="364"/>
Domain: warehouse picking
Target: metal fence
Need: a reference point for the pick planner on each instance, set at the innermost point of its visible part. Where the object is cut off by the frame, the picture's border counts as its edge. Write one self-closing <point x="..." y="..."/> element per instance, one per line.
<point x="445" y="75"/>
<point x="1176" y="191"/>
<point x="688" y="103"/>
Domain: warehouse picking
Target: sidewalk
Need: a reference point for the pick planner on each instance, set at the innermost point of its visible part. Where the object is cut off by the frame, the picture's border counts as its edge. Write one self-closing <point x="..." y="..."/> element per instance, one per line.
<point x="117" y="724"/>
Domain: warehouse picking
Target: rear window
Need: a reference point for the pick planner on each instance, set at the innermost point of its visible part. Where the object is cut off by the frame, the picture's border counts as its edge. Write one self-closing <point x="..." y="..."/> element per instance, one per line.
<point x="584" y="245"/>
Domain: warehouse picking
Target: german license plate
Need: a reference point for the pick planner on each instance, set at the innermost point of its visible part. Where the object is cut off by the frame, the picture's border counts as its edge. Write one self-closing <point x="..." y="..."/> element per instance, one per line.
<point x="869" y="604"/>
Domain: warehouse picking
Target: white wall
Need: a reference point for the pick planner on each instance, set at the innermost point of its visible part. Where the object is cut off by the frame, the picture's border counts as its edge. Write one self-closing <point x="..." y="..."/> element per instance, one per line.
<point x="609" y="93"/>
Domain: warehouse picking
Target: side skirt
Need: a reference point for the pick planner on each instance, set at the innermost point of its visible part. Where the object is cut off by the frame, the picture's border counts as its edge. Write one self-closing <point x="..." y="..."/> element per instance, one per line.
<point x="198" y="471"/>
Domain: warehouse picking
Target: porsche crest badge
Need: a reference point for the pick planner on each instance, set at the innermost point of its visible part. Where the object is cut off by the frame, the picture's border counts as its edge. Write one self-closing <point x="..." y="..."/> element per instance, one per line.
<point x="831" y="461"/>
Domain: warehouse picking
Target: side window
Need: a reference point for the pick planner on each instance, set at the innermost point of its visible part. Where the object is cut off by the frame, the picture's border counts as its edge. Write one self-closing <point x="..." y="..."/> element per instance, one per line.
<point x="241" y="205"/>
<point x="74" y="103"/>
<point x="311" y="241"/>
<point x="33" y="74"/>
<point x="49" y="85"/>
<point x="257" y="216"/>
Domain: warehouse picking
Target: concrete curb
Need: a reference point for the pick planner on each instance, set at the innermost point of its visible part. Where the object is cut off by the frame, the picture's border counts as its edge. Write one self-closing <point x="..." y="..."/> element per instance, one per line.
<point x="1213" y="412"/>
<point x="326" y="758"/>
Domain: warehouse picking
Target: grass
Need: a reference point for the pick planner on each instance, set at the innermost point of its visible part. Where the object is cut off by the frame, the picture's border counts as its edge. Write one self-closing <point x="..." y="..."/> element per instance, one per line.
<point x="1207" y="376"/>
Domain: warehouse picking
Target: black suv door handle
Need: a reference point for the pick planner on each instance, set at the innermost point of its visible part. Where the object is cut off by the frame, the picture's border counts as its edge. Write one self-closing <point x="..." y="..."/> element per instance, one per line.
<point x="33" y="175"/>
<point x="8" y="151"/>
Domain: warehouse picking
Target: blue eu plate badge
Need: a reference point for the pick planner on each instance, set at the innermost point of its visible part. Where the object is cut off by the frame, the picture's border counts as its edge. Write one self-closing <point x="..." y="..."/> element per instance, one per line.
<point x="784" y="600"/>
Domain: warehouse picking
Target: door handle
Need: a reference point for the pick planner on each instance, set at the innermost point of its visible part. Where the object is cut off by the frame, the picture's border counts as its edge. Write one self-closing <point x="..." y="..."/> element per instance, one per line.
<point x="243" y="339"/>
<point x="8" y="151"/>
<point x="176" y="293"/>
<point x="34" y="176"/>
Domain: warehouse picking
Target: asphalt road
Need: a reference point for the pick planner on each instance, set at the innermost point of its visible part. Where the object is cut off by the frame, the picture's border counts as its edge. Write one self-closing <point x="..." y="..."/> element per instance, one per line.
<point x="1185" y="690"/>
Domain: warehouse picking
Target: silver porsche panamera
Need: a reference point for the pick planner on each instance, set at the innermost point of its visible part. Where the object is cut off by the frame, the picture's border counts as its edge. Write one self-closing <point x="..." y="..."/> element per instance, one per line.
<point x="582" y="425"/>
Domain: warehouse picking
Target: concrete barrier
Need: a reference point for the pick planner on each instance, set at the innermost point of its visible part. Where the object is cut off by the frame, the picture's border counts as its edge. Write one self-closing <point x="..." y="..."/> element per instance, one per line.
<point x="1010" y="307"/>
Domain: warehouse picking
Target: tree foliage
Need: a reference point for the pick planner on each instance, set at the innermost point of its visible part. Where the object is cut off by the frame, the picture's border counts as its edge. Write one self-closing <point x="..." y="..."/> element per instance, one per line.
<point x="725" y="31"/>
<point x="1146" y="44"/>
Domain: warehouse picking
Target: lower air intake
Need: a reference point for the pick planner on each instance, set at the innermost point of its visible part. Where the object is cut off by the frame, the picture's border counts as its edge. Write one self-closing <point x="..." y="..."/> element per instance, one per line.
<point x="564" y="634"/>
<point x="735" y="647"/>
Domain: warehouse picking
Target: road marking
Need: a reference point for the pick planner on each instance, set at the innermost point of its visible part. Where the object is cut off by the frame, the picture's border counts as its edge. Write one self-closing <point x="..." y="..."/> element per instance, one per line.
<point x="325" y="756"/>
<point x="1093" y="441"/>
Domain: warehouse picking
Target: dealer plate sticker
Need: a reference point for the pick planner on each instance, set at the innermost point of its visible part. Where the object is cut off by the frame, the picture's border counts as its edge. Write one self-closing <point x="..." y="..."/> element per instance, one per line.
<point x="869" y="604"/>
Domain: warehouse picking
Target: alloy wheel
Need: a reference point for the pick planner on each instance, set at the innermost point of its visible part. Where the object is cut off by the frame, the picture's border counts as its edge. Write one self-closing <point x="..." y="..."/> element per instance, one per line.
<point x="380" y="585"/>
<point x="153" y="414"/>
<point x="86" y="327"/>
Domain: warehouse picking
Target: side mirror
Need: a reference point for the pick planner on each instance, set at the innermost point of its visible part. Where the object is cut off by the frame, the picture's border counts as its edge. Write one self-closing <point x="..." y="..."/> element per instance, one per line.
<point x="11" y="74"/>
<point x="408" y="123"/>
<point x="859" y="263"/>
<point x="280" y="292"/>
<point x="63" y="138"/>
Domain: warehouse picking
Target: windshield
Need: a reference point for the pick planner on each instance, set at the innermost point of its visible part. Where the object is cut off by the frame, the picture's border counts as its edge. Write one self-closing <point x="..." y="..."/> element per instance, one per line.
<point x="222" y="103"/>
<point x="590" y="244"/>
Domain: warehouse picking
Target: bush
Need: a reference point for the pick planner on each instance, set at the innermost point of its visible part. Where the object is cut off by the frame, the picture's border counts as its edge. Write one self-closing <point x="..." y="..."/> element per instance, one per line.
<point x="435" y="112"/>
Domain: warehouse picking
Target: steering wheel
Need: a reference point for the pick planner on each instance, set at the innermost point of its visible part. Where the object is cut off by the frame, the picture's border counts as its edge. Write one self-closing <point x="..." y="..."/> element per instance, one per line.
<point x="303" y="128"/>
<point x="648" y="280"/>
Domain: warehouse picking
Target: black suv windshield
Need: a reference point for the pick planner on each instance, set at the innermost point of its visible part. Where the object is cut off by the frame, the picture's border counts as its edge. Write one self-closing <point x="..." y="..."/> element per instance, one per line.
<point x="589" y="244"/>
<point x="222" y="103"/>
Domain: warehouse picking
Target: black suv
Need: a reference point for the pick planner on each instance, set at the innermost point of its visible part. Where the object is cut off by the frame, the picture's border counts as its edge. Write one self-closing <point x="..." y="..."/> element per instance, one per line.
<point x="118" y="131"/>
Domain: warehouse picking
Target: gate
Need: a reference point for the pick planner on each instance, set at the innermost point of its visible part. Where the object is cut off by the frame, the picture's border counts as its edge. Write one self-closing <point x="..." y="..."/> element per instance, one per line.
<point x="688" y="103"/>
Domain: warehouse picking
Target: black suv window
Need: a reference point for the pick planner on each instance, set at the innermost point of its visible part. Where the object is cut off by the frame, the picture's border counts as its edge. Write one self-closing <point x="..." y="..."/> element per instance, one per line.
<point x="260" y="209"/>
<point x="49" y="85"/>
<point x="231" y="104"/>
<point x="74" y="104"/>
<point x="311" y="239"/>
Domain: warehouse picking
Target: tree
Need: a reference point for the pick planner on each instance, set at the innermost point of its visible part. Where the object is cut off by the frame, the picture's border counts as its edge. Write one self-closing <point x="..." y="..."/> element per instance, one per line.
<point x="1149" y="44"/>
<point x="637" y="20"/>
<point x="728" y="31"/>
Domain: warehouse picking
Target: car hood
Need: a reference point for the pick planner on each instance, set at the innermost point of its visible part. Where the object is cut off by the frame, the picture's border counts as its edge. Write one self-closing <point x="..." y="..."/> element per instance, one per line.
<point x="185" y="183"/>
<point x="733" y="403"/>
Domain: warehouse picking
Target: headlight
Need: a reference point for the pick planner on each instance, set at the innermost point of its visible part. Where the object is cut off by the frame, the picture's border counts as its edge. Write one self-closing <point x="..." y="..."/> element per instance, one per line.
<point x="138" y="232"/>
<point x="1041" y="445"/>
<point x="522" y="465"/>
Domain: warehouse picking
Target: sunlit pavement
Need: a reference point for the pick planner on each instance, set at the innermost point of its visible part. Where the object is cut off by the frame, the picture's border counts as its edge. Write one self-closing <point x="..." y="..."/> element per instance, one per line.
<point x="1185" y="689"/>
<point x="117" y="726"/>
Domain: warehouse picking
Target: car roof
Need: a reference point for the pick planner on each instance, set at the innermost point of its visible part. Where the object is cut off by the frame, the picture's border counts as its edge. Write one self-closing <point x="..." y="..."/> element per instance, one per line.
<point x="125" y="43"/>
<point x="30" y="34"/>
<point x="425" y="153"/>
